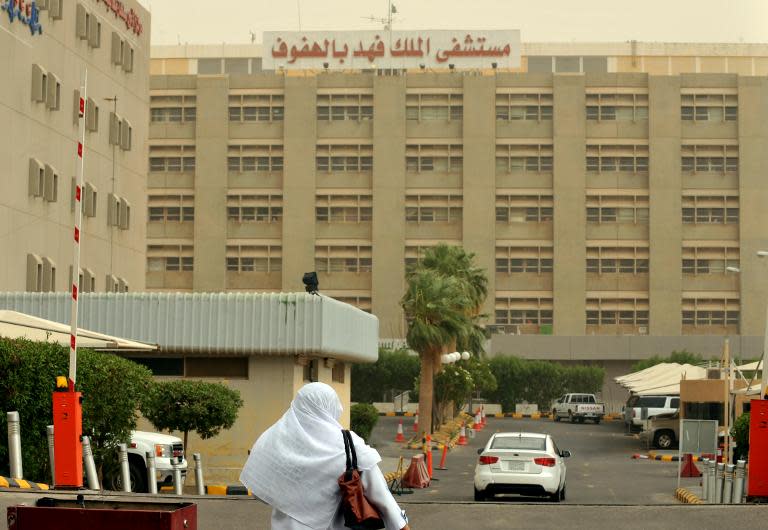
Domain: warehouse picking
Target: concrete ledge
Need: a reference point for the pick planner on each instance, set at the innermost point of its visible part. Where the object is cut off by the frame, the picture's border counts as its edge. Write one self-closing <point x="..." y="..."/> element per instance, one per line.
<point x="7" y="482"/>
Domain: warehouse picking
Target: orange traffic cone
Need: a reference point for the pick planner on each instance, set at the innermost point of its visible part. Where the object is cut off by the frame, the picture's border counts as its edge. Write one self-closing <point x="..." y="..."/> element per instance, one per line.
<point x="400" y="437"/>
<point x="428" y="449"/>
<point x="416" y="422"/>
<point x="462" y="435"/>
<point x="483" y="419"/>
<point x="478" y="422"/>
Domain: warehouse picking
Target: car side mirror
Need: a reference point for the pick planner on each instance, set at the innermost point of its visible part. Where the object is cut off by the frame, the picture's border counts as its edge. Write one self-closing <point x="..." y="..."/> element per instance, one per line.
<point x="565" y="454"/>
<point x="480" y="451"/>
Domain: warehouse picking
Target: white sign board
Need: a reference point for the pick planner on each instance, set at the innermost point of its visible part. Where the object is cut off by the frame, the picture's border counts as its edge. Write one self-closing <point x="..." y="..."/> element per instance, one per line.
<point x="357" y="50"/>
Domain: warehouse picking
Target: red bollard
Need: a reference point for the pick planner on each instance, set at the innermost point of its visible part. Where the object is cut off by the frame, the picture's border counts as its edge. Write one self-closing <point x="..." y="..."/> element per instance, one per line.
<point x="442" y="458"/>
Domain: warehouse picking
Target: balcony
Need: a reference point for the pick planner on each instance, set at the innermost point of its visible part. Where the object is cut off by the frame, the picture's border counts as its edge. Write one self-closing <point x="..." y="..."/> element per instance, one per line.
<point x="254" y="280"/>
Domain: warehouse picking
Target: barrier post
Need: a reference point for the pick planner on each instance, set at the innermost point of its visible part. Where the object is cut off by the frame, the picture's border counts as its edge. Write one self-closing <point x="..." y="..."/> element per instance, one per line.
<point x="719" y="483"/>
<point x="705" y="479"/>
<point x="738" y="483"/>
<point x="199" y="474"/>
<point x="51" y="454"/>
<point x="125" y="473"/>
<point x="151" y="473"/>
<point x="728" y="485"/>
<point x="90" y="465"/>
<point x="442" y="458"/>
<point x="177" y="485"/>
<point x="14" y="444"/>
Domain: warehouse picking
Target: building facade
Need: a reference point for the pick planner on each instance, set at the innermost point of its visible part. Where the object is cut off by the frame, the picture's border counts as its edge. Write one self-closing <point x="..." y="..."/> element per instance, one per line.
<point x="606" y="188"/>
<point x="47" y="48"/>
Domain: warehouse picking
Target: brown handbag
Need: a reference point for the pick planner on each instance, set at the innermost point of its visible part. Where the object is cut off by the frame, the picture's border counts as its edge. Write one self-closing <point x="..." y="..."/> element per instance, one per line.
<point x="359" y="514"/>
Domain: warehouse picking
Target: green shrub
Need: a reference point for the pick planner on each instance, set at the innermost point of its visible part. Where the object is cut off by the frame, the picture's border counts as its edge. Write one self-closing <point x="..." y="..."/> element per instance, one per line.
<point x="112" y="389"/>
<point x="740" y="433"/>
<point x="363" y="418"/>
<point x="185" y="406"/>
<point x="394" y="370"/>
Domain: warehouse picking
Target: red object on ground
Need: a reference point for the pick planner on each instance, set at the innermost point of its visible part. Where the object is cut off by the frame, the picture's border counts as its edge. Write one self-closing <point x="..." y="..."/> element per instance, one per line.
<point x="416" y="476"/>
<point x="758" y="449"/>
<point x="463" y="435"/>
<point x="416" y="423"/>
<point x="67" y="514"/>
<point x="689" y="469"/>
<point x="478" y="425"/>
<point x="442" y="458"/>
<point x="429" y="455"/>
<point x="67" y="432"/>
<point x="400" y="437"/>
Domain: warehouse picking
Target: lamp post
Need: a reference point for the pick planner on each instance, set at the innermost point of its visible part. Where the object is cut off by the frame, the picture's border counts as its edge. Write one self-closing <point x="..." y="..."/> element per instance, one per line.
<point x="764" y="381"/>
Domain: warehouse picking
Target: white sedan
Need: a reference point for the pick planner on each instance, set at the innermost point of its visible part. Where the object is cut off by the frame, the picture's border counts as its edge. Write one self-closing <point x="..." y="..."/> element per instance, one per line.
<point x="524" y="463"/>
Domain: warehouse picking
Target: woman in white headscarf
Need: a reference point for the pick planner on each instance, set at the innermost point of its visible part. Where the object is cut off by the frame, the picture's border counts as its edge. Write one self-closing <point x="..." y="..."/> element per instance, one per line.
<point x="295" y="465"/>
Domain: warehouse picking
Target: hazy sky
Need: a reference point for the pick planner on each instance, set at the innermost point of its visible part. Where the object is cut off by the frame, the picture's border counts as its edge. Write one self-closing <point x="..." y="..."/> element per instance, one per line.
<point x="231" y="21"/>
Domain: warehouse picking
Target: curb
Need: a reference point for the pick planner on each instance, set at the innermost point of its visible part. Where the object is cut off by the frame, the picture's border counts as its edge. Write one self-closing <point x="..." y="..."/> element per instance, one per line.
<point x="222" y="489"/>
<point x="6" y="482"/>
<point x="667" y="458"/>
<point x="392" y="414"/>
<point x="686" y="497"/>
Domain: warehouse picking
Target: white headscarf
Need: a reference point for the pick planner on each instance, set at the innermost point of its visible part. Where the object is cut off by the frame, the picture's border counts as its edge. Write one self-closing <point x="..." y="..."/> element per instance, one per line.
<point x="294" y="465"/>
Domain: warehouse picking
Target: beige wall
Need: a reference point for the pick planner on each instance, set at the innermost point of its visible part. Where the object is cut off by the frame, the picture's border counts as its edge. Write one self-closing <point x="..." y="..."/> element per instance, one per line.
<point x="30" y="225"/>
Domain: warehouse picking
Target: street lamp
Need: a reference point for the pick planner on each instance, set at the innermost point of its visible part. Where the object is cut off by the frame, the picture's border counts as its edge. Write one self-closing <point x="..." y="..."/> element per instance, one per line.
<point x="764" y="382"/>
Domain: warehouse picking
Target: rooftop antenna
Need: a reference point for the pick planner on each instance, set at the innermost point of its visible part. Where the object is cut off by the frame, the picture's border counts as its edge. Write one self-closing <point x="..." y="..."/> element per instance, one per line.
<point x="385" y="21"/>
<point x="253" y="36"/>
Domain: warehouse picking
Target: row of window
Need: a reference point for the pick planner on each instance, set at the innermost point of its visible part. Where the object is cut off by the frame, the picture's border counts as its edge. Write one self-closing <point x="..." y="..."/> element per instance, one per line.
<point x="41" y="277"/>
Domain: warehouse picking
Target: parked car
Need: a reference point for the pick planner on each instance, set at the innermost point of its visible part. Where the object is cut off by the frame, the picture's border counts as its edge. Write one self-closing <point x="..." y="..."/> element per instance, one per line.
<point x="633" y="411"/>
<point x="663" y="431"/>
<point x="166" y="449"/>
<point x="578" y="407"/>
<point x="524" y="463"/>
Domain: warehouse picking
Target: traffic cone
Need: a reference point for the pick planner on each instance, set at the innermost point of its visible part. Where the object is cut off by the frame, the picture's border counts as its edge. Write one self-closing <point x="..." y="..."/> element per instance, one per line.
<point x="416" y="423"/>
<point x="428" y="449"/>
<point x="400" y="437"/>
<point x="478" y="425"/>
<point x="482" y="416"/>
<point x="462" y="435"/>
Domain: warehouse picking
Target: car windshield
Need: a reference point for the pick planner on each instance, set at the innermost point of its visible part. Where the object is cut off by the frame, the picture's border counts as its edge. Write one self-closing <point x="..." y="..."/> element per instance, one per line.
<point x="519" y="442"/>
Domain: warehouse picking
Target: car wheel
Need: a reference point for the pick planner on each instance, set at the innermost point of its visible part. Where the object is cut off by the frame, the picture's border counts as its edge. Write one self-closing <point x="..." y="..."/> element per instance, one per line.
<point x="555" y="417"/>
<point x="562" y="493"/>
<point x="570" y="417"/>
<point x="555" y="497"/>
<point x="663" y="440"/>
<point x="479" y="495"/>
<point x="114" y="479"/>
<point x="597" y="421"/>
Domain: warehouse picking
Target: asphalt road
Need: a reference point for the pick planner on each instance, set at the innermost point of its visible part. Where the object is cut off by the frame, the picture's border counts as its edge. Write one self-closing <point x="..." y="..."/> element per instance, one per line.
<point x="601" y="470"/>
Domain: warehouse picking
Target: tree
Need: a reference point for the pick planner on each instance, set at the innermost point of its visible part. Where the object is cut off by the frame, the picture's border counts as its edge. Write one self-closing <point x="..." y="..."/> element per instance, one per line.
<point x="112" y="389"/>
<point x="680" y="357"/>
<point x="363" y="417"/>
<point x="435" y="310"/>
<point x="394" y="370"/>
<point x="452" y="385"/>
<point x="186" y="405"/>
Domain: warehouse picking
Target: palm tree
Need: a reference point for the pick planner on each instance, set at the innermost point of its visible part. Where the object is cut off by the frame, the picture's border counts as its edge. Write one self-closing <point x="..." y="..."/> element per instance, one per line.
<point x="435" y="309"/>
<point x="450" y="260"/>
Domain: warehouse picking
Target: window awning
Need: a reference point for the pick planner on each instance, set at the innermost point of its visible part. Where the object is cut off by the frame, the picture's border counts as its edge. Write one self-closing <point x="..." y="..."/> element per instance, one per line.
<point x="16" y="325"/>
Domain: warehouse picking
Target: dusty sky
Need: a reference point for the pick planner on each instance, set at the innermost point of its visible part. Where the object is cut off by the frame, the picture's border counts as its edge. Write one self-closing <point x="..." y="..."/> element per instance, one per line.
<point x="204" y="22"/>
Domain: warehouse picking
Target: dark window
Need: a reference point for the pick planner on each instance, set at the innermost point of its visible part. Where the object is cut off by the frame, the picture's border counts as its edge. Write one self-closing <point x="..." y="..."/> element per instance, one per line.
<point x="311" y="371"/>
<point x="161" y="365"/>
<point x="229" y="367"/>
<point x="519" y="442"/>
<point x="710" y="410"/>
<point x="652" y="402"/>
<point x="337" y="374"/>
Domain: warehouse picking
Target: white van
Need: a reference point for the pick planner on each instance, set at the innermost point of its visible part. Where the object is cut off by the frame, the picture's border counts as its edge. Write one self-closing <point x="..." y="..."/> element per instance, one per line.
<point x="633" y="411"/>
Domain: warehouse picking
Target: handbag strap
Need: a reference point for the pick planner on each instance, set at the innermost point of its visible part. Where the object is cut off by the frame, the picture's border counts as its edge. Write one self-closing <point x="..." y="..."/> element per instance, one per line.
<point x="349" y="449"/>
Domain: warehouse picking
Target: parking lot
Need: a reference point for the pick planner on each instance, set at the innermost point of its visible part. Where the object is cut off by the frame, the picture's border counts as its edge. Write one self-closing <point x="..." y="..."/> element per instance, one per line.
<point x="601" y="470"/>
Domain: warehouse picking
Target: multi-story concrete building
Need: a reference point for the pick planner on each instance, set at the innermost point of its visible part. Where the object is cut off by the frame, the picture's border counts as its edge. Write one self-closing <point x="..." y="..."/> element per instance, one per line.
<point x="606" y="188"/>
<point x="47" y="47"/>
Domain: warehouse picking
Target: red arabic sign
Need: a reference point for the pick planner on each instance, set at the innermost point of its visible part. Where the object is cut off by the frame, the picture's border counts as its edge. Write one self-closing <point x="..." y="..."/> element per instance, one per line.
<point x="129" y="16"/>
<point x="401" y="49"/>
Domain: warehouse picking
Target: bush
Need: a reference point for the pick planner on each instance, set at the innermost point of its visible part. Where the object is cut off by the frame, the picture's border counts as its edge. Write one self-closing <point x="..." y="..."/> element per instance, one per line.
<point x="112" y="390"/>
<point x="185" y="406"/>
<point x="363" y="418"/>
<point x="740" y="433"/>
<point x="394" y="370"/>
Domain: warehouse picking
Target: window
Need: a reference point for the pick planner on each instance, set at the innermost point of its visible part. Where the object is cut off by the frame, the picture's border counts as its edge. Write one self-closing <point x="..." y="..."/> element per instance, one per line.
<point x="339" y="107"/>
<point x="344" y="158"/>
<point x="220" y="367"/>
<point x="616" y="107"/>
<point x="170" y="258"/>
<point x="172" y="158"/>
<point x="617" y="209"/>
<point x="511" y="260"/>
<point x="36" y="178"/>
<point x="523" y="312"/>
<point x="118" y="212"/>
<point x="122" y="52"/>
<point x="708" y="209"/>
<point x="716" y="108"/>
<point x="255" y="159"/>
<point x="524" y="208"/>
<point x="311" y="370"/>
<point x="161" y="366"/>
<point x="721" y="159"/>
<point x="255" y="208"/>
<point x="617" y="260"/>
<point x="433" y="107"/>
<point x="338" y="371"/>
<point x="254" y="258"/>
<point x="703" y="315"/>
<point x="39" y="83"/>
<point x="523" y="158"/>
<point x="709" y="260"/>
<point x="173" y="109"/>
<point x="343" y="258"/>
<point x="41" y="274"/>
<point x="344" y="208"/>
<point x="440" y="158"/>
<point x="629" y="312"/>
<point x="433" y="208"/>
<point x="530" y="107"/>
<point x="624" y="158"/>
<point x="520" y="443"/>
<point x="262" y="107"/>
<point x="171" y="208"/>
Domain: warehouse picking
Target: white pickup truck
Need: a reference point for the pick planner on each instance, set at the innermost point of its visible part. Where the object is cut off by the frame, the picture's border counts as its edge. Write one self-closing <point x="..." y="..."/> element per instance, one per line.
<point x="578" y="407"/>
<point x="165" y="448"/>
